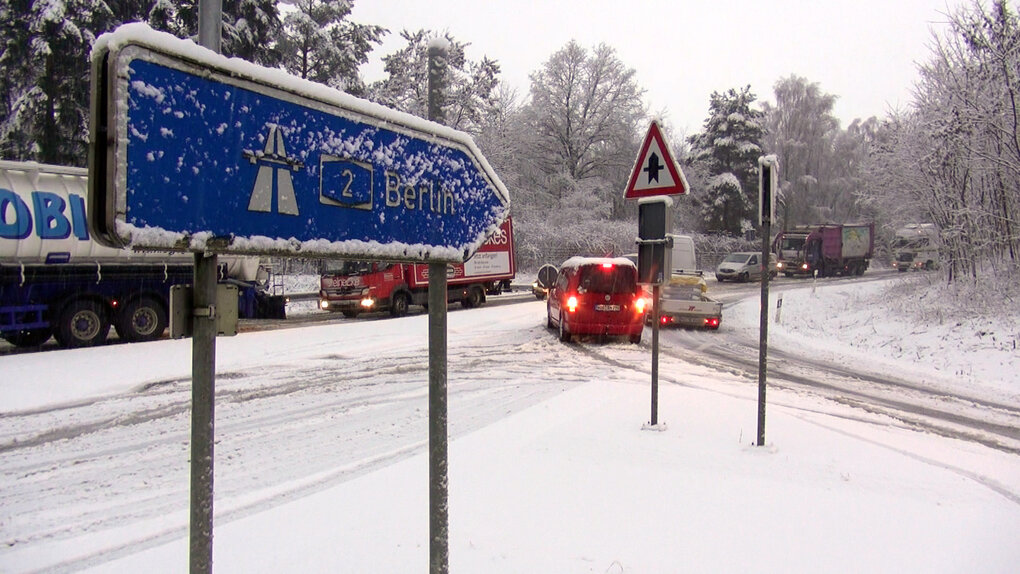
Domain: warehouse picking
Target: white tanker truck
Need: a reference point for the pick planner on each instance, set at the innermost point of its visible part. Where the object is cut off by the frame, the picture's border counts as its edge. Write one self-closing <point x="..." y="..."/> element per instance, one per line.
<point x="56" y="281"/>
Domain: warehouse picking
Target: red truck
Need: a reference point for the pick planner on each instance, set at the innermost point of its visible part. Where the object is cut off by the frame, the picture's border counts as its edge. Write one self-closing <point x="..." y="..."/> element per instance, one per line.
<point x="354" y="287"/>
<point x="828" y="249"/>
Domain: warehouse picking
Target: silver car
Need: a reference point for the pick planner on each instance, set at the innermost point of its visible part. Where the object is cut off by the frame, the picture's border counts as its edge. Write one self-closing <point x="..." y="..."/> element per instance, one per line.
<point x="743" y="266"/>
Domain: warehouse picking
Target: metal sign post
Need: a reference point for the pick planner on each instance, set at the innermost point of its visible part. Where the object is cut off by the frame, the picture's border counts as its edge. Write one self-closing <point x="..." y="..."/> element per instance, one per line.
<point x="656" y="292"/>
<point x="655" y="177"/>
<point x="203" y="362"/>
<point x="439" y="509"/>
<point x="768" y="167"/>
<point x="655" y="218"/>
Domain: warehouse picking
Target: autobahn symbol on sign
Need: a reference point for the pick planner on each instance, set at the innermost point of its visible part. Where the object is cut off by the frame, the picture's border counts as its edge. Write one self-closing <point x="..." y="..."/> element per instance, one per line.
<point x="195" y="151"/>
<point x="274" y="165"/>
<point x="655" y="171"/>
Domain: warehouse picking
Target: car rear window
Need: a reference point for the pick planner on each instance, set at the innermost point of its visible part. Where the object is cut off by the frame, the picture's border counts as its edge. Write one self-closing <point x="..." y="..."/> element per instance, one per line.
<point x="615" y="279"/>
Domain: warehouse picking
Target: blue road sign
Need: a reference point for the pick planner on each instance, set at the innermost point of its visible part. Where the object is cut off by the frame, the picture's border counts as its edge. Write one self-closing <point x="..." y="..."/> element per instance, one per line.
<point x="204" y="152"/>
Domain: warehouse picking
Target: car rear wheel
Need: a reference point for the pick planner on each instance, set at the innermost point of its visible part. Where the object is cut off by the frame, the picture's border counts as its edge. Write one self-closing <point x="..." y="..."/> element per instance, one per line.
<point x="564" y="333"/>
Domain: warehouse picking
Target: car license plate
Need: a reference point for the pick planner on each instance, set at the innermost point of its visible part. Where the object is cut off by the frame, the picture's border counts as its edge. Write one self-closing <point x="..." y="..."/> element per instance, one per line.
<point x="607" y="307"/>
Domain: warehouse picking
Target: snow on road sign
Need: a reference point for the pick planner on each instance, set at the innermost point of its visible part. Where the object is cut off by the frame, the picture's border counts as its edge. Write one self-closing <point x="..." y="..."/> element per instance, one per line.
<point x="655" y="171"/>
<point x="195" y="151"/>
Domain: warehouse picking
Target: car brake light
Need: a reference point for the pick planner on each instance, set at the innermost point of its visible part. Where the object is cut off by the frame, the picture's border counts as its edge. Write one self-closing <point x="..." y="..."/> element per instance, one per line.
<point x="607" y="265"/>
<point x="572" y="304"/>
<point x="666" y="319"/>
<point x="712" y="322"/>
<point x="639" y="304"/>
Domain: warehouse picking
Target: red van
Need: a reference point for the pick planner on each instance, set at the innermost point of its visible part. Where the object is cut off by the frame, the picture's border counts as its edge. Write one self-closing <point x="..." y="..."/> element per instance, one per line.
<point x="597" y="296"/>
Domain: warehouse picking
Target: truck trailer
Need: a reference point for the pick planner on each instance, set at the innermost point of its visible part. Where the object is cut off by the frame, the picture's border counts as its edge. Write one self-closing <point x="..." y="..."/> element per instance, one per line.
<point x="355" y="287"/>
<point x="55" y="280"/>
<point x="827" y="249"/>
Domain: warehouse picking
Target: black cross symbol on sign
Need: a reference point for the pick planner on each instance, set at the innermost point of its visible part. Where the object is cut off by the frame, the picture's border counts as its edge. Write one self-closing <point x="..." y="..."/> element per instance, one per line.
<point x="653" y="167"/>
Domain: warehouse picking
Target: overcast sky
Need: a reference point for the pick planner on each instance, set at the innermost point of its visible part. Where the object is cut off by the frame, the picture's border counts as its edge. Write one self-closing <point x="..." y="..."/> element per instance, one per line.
<point x="864" y="51"/>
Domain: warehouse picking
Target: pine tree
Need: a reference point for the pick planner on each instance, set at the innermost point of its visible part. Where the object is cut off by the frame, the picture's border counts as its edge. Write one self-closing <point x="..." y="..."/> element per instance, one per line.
<point x="319" y="44"/>
<point x="728" y="152"/>
<point x="470" y="87"/>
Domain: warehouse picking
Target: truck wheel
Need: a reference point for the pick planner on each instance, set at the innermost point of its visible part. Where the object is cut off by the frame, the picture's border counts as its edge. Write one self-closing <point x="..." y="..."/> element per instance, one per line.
<point x="399" y="305"/>
<point x="141" y="320"/>
<point x="28" y="337"/>
<point x="564" y="333"/>
<point x="474" y="297"/>
<point x="82" y="323"/>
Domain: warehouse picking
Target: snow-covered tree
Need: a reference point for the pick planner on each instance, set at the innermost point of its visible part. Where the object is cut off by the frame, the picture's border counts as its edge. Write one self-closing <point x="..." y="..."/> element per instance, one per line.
<point x="957" y="155"/>
<point x="45" y="84"/>
<point x="44" y="52"/>
<point x="799" y="130"/>
<point x="321" y="45"/>
<point x="251" y="28"/>
<point x="585" y="111"/>
<point x="470" y="87"/>
<point x="728" y="151"/>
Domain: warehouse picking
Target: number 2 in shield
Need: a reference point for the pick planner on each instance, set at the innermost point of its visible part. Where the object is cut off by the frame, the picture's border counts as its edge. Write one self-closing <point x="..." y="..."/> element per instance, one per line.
<point x="344" y="182"/>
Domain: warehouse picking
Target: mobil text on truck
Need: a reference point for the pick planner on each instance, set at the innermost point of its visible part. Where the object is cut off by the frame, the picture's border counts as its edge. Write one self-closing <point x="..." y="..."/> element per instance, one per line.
<point x="56" y="281"/>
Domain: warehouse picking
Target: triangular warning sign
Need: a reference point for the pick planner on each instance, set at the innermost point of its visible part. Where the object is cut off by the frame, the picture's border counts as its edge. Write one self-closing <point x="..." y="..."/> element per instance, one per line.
<point x="655" y="171"/>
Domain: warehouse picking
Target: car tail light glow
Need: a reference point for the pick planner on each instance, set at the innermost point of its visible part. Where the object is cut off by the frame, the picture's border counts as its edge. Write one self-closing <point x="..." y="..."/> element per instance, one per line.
<point x="666" y="319"/>
<point x="607" y="265"/>
<point x="712" y="322"/>
<point x="639" y="304"/>
<point x="572" y="304"/>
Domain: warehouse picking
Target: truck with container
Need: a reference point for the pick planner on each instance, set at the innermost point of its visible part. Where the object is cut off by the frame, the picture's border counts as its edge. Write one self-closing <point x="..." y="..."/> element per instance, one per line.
<point x="56" y="281"/>
<point x="825" y="250"/>
<point x="355" y="287"/>
<point x="683" y="298"/>
<point x="915" y="247"/>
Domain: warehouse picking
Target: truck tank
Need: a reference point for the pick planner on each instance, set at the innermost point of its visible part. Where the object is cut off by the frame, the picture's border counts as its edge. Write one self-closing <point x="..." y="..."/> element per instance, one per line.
<point x="54" y="279"/>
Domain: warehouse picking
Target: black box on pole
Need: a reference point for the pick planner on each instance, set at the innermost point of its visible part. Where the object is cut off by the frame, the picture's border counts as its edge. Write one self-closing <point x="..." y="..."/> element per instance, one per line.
<point x="655" y="219"/>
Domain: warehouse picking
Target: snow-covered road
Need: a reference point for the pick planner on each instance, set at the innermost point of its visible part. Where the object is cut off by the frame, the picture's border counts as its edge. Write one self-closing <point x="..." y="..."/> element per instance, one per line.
<point x="94" y="443"/>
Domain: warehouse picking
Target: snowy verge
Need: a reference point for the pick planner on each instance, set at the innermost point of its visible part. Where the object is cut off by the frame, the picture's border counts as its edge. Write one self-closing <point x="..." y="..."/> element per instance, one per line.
<point x="904" y="325"/>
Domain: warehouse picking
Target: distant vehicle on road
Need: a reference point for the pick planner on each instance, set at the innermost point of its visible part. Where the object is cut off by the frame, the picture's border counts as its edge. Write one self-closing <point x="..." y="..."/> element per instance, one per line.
<point x="744" y="266"/>
<point x="355" y="287"/>
<point x="826" y="249"/>
<point x="597" y="296"/>
<point x="916" y="247"/>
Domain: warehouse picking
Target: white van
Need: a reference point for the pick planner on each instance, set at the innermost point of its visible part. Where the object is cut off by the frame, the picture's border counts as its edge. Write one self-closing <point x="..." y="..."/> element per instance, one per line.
<point x="683" y="259"/>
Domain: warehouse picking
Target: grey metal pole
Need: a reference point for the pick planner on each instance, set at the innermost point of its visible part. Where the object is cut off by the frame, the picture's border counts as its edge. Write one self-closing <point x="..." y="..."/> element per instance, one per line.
<point x="203" y="377"/>
<point x="203" y="360"/>
<point x="439" y="512"/>
<point x="438" y="482"/>
<point x="210" y="24"/>
<point x="763" y="342"/>
<point x="656" y="310"/>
